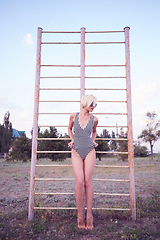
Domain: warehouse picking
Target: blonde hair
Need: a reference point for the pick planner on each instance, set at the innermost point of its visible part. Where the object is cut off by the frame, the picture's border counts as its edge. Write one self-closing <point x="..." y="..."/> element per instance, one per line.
<point x="87" y="100"/>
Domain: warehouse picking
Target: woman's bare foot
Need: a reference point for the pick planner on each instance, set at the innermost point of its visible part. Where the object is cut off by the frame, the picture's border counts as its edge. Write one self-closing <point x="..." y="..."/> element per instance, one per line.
<point x="89" y="222"/>
<point x="81" y="223"/>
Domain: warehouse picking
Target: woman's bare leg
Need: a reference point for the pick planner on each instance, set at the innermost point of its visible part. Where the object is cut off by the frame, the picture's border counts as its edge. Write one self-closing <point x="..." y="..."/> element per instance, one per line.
<point x="88" y="170"/>
<point x="78" y="169"/>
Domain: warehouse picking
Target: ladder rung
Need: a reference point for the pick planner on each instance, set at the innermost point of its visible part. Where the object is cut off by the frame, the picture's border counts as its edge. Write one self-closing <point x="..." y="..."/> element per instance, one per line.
<point x="114" y="139"/>
<point x="93" y="65"/>
<point x="94" y="113"/>
<point x="121" y="31"/>
<point x="97" y="126"/>
<point x="105" y="31"/>
<point x="106" y="65"/>
<point x="112" y="101"/>
<point x="54" y="179"/>
<point x="79" y="77"/>
<point x="101" y="194"/>
<point x="80" y="42"/>
<point x="102" y="166"/>
<point x="103" y="101"/>
<point x="42" y="165"/>
<point x="70" y="152"/>
<point x="53" y="139"/>
<point x="107" y="77"/>
<point x="73" y="208"/>
<point x="107" y="89"/>
<point x="53" y="151"/>
<point x="111" y="166"/>
<point x="105" y="139"/>
<point x="58" y="89"/>
<point x="61" y="31"/>
<point x="72" y="179"/>
<point x="67" y="89"/>
<point x="62" y="77"/>
<point x="60" y="42"/>
<point x="112" y="152"/>
<point x="104" y="42"/>
<point x="59" y="65"/>
<point x="54" y="193"/>
<point x="113" y="194"/>
<point x="58" y="101"/>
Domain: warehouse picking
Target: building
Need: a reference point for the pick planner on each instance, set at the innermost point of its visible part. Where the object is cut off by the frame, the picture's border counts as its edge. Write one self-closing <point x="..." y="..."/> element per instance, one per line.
<point x="17" y="133"/>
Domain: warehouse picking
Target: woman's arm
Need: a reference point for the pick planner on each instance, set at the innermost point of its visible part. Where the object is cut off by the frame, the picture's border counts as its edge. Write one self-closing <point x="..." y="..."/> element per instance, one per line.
<point x="70" y="126"/>
<point x="94" y="133"/>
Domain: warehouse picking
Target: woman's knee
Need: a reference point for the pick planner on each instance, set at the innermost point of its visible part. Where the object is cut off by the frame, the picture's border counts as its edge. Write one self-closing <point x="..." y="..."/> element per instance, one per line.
<point x="80" y="182"/>
<point x="88" y="182"/>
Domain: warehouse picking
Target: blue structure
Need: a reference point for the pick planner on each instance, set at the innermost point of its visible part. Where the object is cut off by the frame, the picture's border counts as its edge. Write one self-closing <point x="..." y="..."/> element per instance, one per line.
<point x="17" y="133"/>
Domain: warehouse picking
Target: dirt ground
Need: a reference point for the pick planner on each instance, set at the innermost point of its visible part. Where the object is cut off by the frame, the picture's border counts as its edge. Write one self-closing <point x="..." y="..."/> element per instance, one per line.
<point x="15" y="182"/>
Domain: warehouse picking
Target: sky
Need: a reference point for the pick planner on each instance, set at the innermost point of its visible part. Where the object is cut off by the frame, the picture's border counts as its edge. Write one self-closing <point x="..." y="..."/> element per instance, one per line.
<point x="19" y="22"/>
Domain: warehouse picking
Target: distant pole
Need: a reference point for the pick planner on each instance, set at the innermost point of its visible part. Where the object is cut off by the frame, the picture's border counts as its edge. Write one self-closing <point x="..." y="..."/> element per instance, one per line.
<point x="116" y="129"/>
<point x="35" y="127"/>
<point x="82" y="81"/>
<point x="129" y="125"/>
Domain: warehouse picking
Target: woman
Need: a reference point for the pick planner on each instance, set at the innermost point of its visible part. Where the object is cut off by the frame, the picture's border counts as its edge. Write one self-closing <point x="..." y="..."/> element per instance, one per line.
<point x="83" y="156"/>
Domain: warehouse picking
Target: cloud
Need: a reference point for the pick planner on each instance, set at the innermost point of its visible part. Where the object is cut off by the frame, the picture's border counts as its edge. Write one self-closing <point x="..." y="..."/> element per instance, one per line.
<point x="21" y="120"/>
<point x="146" y="93"/>
<point x="27" y="40"/>
<point x="145" y="96"/>
<point x="2" y="102"/>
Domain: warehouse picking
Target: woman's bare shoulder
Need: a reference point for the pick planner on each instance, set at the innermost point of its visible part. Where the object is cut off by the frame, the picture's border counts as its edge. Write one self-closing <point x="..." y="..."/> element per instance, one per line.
<point x="95" y="120"/>
<point x="72" y="116"/>
<point x="71" y="120"/>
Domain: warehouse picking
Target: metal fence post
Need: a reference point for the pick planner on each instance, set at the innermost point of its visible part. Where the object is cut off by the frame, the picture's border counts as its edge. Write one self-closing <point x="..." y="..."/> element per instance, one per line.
<point x="129" y="125"/>
<point x="82" y="81"/>
<point x="35" y="127"/>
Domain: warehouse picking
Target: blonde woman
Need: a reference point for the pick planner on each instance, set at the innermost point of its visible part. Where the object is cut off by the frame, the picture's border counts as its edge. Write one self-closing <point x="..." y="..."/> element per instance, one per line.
<point x="83" y="147"/>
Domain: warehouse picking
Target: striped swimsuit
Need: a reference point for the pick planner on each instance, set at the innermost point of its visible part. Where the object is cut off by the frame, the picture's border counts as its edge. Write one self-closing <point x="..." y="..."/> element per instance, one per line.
<point x="83" y="143"/>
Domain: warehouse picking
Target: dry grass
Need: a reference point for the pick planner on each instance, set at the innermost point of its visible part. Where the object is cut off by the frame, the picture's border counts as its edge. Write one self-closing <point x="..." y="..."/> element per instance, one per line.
<point x="14" y="192"/>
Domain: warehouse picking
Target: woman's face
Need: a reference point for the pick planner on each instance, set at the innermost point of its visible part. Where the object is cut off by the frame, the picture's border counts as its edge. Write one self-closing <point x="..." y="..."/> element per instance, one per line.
<point x="91" y="107"/>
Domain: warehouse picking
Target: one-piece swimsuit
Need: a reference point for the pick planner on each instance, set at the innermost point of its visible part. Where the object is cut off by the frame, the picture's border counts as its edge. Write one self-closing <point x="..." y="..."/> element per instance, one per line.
<point x="83" y="143"/>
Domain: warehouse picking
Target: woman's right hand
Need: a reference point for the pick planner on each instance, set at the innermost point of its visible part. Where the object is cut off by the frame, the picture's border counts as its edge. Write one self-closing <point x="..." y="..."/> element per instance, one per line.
<point x="71" y="144"/>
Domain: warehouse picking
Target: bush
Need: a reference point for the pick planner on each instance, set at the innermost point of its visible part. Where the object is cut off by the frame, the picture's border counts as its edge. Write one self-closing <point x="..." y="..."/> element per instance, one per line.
<point x="21" y="149"/>
<point x="140" y="151"/>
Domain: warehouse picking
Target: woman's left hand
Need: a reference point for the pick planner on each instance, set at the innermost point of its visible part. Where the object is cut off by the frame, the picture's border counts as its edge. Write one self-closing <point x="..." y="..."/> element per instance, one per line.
<point x="95" y="144"/>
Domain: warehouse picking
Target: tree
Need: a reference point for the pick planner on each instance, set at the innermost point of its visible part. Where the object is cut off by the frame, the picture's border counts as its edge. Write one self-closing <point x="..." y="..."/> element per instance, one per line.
<point x="152" y="133"/>
<point x="113" y="145"/>
<point x="102" y="144"/>
<point x="21" y="149"/>
<point x="51" y="145"/>
<point x="122" y="145"/>
<point x="6" y="132"/>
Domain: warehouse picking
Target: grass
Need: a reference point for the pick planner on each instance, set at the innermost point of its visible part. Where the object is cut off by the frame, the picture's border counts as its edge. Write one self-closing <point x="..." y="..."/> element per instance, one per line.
<point x="108" y="225"/>
<point x="149" y="208"/>
<point x="14" y="224"/>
